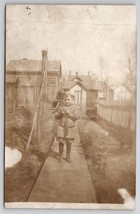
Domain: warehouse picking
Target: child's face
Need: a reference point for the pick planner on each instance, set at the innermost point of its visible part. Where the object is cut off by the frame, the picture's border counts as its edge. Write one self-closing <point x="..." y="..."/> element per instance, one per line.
<point x="67" y="101"/>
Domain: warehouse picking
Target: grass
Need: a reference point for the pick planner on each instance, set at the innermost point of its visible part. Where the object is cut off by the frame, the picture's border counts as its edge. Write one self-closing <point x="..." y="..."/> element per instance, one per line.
<point x="20" y="179"/>
<point x="111" y="160"/>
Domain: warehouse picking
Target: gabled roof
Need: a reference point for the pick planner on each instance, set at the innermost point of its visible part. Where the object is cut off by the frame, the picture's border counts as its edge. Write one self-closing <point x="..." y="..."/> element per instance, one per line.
<point x="94" y="85"/>
<point x="89" y="81"/>
<point x="29" y="65"/>
<point x="124" y="84"/>
<point x="67" y="84"/>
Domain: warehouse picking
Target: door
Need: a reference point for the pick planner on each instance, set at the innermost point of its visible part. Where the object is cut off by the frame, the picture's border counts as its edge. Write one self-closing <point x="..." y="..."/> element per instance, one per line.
<point x="78" y="97"/>
<point x="80" y="100"/>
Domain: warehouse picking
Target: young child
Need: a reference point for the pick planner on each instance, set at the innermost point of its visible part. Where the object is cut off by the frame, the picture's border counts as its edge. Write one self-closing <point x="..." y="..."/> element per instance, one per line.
<point x="67" y="114"/>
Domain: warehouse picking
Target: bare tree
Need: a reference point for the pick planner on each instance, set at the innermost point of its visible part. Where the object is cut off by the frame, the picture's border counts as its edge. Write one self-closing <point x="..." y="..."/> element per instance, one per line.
<point x="104" y="77"/>
<point x="130" y="73"/>
<point x="130" y="65"/>
<point x="130" y="79"/>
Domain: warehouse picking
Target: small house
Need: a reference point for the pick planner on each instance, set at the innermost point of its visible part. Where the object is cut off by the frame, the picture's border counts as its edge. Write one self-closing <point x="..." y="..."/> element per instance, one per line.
<point x="122" y="91"/>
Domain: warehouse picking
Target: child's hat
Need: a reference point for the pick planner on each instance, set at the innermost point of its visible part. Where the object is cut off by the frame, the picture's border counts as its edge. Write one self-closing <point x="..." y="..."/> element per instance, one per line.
<point x="68" y="94"/>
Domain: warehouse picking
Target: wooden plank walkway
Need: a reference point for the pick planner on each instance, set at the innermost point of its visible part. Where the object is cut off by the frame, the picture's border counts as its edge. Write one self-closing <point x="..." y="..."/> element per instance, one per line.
<point x="64" y="182"/>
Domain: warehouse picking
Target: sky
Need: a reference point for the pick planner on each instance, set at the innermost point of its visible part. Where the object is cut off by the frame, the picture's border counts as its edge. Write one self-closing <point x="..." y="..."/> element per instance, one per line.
<point x="85" y="38"/>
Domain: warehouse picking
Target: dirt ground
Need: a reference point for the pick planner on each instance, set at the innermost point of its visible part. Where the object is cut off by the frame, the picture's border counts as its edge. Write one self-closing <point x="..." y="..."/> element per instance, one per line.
<point x="110" y="159"/>
<point x="20" y="179"/>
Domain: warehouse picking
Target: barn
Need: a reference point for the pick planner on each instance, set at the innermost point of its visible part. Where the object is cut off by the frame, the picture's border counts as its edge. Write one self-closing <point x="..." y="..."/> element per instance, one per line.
<point x="23" y="81"/>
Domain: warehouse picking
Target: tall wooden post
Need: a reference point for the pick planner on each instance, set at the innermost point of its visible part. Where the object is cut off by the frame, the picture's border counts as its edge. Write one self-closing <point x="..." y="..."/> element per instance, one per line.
<point x="130" y="113"/>
<point x="39" y="102"/>
<point x="41" y="107"/>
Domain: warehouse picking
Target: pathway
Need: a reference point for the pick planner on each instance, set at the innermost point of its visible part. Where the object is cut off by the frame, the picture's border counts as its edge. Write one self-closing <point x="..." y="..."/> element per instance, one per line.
<point x="64" y="182"/>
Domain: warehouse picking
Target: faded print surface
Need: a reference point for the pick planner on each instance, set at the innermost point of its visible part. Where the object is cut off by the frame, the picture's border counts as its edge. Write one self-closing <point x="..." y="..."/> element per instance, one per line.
<point x="70" y="93"/>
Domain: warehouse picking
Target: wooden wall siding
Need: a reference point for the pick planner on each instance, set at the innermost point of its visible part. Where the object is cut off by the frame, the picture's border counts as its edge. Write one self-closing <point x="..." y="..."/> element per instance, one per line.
<point x="26" y="96"/>
<point x="27" y="91"/>
<point x="118" y="116"/>
<point x="10" y="99"/>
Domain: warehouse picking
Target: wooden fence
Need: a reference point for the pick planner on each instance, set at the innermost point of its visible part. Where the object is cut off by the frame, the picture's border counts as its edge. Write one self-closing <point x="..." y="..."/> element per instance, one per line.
<point x="119" y="113"/>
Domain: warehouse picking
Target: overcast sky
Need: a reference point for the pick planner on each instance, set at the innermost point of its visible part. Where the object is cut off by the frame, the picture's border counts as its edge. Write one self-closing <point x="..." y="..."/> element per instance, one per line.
<point x="85" y="38"/>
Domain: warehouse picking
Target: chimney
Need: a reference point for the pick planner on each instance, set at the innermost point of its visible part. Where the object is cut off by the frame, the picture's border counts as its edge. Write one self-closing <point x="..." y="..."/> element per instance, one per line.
<point x="44" y="53"/>
<point x="69" y="73"/>
<point x="76" y="74"/>
<point x="44" y="58"/>
<point x="88" y="73"/>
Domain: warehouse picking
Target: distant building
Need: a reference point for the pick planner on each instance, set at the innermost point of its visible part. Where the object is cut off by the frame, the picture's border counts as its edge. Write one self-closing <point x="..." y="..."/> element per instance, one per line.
<point x="106" y="94"/>
<point x="122" y="91"/>
<point x="23" y="81"/>
<point x="84" y="88"/>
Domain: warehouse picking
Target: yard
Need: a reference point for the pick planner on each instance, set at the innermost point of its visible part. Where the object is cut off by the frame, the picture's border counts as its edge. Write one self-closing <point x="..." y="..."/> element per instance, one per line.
<point x="20" y="179"/>
<point x="110" y="159"/>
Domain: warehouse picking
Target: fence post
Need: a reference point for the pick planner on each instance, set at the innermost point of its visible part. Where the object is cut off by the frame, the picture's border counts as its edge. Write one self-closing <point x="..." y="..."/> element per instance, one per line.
<point x="130" y="115"/>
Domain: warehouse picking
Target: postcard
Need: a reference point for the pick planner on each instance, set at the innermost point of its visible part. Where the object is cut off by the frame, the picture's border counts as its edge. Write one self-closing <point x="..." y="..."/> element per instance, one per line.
<point x="70" y="106"/>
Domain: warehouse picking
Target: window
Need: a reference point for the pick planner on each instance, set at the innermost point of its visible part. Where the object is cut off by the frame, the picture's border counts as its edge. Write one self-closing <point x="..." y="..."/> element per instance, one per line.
<point x="122" y="95"/>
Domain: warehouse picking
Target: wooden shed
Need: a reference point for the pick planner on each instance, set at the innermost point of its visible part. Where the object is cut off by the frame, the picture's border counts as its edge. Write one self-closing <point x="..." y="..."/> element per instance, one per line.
<point x="85" y="91"/>
<point x="23" y="81"/>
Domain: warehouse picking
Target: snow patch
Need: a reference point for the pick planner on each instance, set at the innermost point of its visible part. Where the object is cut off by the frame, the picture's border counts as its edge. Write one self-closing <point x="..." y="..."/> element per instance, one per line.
<point x="12" y="157"/>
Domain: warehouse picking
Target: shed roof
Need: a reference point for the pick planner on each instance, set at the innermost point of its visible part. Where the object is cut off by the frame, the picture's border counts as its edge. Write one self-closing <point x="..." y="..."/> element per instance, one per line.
<point x="33" y="65"/>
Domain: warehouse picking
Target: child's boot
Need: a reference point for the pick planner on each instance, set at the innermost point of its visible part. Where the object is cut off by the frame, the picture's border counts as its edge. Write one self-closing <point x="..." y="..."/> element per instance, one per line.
<point x="60" y="160"/>
<point x="68" y="150"/>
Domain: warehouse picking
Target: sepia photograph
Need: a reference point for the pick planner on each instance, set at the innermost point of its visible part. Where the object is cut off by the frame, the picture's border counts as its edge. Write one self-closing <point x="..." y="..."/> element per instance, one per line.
<point x="70" y="106"/>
